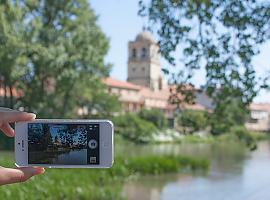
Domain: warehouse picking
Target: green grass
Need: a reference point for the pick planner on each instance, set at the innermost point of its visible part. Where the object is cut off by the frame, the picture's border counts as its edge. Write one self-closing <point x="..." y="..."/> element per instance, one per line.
<point x="165" y="164"/>
<point x="260" y="135"/>
<point x="94" y="184"/>
<point x="64" y="184"/>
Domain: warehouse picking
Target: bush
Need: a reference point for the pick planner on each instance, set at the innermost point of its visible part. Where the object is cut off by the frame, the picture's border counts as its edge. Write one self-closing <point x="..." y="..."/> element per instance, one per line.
<point x="192" y="121"/>
<point x="227" y="115"/>
<point x="244" y="135"/>
<point x="155" y="116"/>
<point x="6" y="143"/>
<point x="153" y="164"/>
<point x="131" y="127"/>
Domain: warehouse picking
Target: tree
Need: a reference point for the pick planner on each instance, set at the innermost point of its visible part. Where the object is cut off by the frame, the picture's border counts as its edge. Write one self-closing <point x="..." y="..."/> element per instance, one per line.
<point x="219" y="36"/>
<point x="82" y="140"/>
<point x="63" y="51"/>
<point x="155" y="116"/>
<point x="69" y="139"/>
<point x="56" y="140"/>
<point x="46" y="140"/>
<point x="62" y="137"/>
<point x="192" y="121"/>
<point x="99" y="102"/>
<point x="12" y="62"/>
<point x="133" y="128"/>
<point x="226" y="116"/>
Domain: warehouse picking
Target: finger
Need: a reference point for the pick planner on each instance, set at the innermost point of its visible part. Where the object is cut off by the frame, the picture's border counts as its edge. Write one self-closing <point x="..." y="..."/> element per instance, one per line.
<point x="7" y="130"/>
<point x="8" y="176"/>
<point x="7" y="117"/>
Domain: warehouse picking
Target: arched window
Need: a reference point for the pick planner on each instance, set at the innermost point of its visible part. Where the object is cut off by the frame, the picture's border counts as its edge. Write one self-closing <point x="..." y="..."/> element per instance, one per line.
<point x="144" y="52"/>
<point x="134" y="53"/>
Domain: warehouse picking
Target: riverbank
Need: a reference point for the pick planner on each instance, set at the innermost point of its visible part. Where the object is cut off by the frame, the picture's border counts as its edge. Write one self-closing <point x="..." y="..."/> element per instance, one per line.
<point x="235" y="173"/>
<point x="237" y="134"/>
<point x="96" y="184"/>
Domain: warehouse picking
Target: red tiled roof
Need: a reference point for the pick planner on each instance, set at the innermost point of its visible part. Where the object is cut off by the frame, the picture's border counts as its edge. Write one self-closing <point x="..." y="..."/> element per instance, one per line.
<point x="260" y="107"/>
<point x="109" y="81"/>
<point x="146" y="93"/>
<point x="162" y="94"/>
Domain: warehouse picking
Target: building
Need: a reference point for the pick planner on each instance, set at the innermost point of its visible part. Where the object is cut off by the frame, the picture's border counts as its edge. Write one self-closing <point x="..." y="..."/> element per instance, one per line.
<point x="259" y="117"/>
<point x="133" y="97"/>
<point x="144" y="62"/>
<point x="145" y="86"/>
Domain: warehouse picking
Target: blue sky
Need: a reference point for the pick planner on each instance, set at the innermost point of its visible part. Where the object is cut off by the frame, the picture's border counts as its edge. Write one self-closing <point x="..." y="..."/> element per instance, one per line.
<point x="120" y="22"/>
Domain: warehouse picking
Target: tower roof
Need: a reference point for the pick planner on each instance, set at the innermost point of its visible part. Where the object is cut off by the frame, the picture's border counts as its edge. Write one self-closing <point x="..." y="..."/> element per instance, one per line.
<point x="146" y="36"/>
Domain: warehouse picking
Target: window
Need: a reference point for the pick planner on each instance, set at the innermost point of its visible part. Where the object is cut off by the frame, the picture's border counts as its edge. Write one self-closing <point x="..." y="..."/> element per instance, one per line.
<point x="134" y="53"/>
<point x="253" y="121"/>
<point x="144" y="52"/>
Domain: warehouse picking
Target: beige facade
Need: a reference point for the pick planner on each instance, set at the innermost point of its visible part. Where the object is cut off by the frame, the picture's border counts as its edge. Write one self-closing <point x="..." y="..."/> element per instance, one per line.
<point x="259" y="117"/>
<point x="133" y="97"/>
<point x="144" y="62"/>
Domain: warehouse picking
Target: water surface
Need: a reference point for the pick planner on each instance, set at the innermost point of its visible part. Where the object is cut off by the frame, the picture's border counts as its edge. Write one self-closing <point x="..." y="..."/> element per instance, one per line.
<point x="234" y="174"/>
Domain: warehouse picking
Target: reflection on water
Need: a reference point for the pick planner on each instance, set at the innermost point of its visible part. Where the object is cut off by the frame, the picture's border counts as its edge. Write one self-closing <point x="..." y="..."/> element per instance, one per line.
<point x="235" y="174"/>
<point x="74" y="157"/>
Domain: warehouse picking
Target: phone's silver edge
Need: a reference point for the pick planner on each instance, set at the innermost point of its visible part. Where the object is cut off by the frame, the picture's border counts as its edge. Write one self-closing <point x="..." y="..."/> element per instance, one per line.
<point x="76" y="121"/>
<point x="69" y="120"/>
<point x="66" y="166"/>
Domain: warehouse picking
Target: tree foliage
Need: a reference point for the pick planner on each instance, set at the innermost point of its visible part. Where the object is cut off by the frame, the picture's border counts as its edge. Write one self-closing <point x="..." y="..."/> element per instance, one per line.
<point x="12" y="62"/>
<point x="133" y="128"/>
<point x="192" y="121"/>
<point x="155" y="116"/>
<point x="227" y="115"/>
<point x="245" y="136"/>
<point x="219" y="36"/>
<point x="102" y="104"/>
<point x="53" y="51"/>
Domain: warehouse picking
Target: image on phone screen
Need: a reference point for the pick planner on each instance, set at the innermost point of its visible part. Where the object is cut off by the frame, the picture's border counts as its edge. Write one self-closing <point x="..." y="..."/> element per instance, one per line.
<point x="63" y="144"/>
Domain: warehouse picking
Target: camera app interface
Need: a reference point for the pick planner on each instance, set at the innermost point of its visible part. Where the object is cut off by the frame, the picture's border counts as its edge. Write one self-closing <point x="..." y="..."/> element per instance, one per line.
<point x="63" y="144"/>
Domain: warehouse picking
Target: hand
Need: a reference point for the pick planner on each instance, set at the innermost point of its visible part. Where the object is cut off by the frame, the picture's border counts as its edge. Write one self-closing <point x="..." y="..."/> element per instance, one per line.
<point x="8" y="175"/>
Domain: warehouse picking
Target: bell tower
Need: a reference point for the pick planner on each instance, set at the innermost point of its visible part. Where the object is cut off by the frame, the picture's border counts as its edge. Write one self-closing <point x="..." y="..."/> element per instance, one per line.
<point x="144" y="62"/>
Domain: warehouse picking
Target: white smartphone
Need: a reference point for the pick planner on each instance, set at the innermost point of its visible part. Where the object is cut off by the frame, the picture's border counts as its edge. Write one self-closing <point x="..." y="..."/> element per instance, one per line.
<point x="61" y="143"/>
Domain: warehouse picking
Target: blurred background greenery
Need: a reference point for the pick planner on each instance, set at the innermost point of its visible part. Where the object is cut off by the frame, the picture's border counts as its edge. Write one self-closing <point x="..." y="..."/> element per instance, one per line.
<point x="52" y="62"/>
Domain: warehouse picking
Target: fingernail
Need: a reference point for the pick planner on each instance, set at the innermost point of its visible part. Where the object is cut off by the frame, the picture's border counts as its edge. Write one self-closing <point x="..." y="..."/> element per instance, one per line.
<point x="33" y="115"/>
<point x="40" y="170"/>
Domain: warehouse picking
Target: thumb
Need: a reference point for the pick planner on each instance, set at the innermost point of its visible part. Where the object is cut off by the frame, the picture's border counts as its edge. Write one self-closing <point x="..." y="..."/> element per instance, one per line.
<point x="8" y="176"/>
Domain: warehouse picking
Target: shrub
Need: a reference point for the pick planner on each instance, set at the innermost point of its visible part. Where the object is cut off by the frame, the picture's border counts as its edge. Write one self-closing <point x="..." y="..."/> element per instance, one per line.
<point x="155" y="116"/>
<point x="244" y="135"/>
<point x="192" y="120"/>
<point x="6" y="143"/>
<point x="131" y="127"/>
<point x="227" y="115"/>
<point x="154" y="164"/>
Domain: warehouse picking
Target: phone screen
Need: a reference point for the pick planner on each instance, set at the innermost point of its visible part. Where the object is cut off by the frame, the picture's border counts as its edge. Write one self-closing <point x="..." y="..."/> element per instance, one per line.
<point x="63" y="144"/>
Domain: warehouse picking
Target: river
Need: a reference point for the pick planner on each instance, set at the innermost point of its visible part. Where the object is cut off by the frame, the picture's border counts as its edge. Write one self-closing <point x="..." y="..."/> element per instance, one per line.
<point x="235" y="173"/>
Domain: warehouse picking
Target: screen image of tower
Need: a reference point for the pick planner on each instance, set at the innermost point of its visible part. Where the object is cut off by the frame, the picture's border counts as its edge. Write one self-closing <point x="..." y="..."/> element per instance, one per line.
<point x="63" y="144"/>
